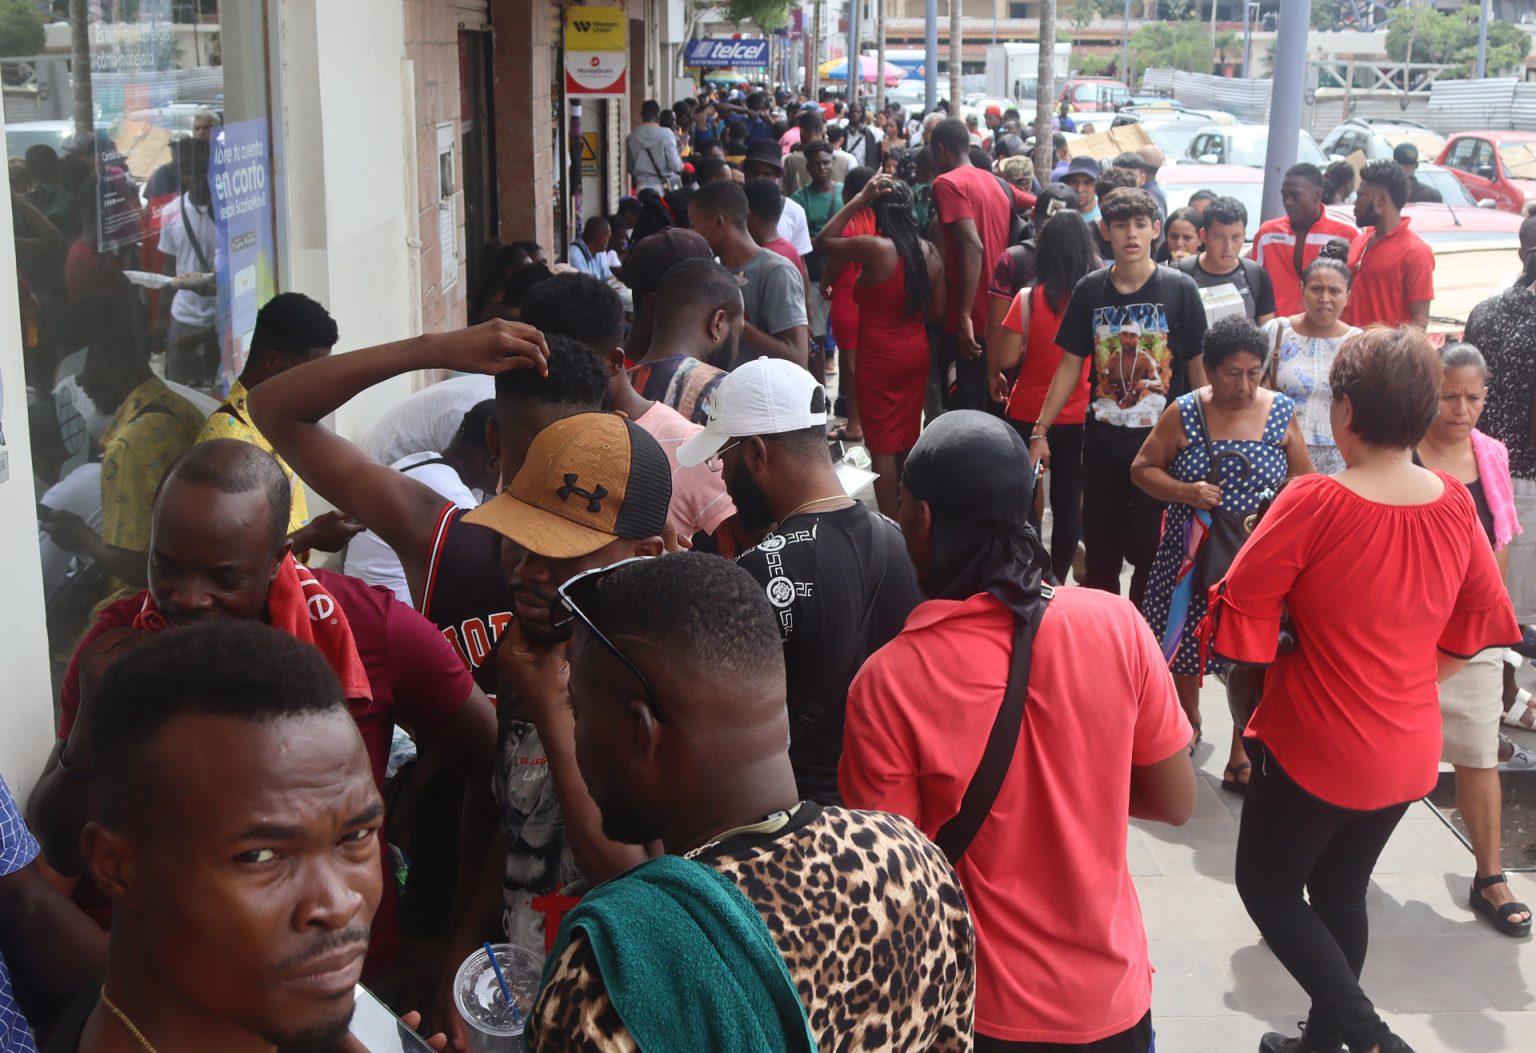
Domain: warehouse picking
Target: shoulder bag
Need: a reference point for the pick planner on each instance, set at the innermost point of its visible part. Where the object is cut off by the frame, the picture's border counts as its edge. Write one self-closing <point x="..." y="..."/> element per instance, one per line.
<point x="1228" y="530"/>
<point x="956" y="835"/>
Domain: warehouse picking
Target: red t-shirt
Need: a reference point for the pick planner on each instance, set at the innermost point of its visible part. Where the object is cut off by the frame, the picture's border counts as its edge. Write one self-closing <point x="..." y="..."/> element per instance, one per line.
<point x="1353" y="714"/>
<point x="1274" y="247"/>
<point x="416" y="678"/>
<point x="968" y="192"/>
<point x="1041" y="357"/>
<point x="1100" y="701"/>
<point x="1389" y="275"/>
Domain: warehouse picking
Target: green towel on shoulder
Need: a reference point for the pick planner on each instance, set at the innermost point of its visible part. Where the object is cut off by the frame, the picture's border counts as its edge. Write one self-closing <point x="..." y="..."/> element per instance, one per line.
<point x="688" y="962"/>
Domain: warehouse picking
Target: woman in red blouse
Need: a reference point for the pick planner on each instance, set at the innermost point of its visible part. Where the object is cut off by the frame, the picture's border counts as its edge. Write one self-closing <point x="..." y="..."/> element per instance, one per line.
<point x="1391" y="587"/>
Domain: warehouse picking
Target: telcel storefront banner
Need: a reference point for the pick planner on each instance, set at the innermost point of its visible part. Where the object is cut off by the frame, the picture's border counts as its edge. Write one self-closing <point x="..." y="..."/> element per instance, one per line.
<point x="712" y="51"/>
<point x="596" y="51"/>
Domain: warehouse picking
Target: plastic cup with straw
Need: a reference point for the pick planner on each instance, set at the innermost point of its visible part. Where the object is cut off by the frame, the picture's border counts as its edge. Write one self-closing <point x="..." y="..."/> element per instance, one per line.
<point x="501" y="981"/>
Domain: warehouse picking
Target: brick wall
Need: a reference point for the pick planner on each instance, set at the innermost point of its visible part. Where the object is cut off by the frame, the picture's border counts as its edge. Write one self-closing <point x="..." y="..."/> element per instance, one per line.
<point x="431" y="43"/>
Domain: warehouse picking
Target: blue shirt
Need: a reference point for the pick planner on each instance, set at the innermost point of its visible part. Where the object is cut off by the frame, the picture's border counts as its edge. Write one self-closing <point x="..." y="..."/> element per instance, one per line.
<point x="17" y="849"/>
<point x="588" y="262"/>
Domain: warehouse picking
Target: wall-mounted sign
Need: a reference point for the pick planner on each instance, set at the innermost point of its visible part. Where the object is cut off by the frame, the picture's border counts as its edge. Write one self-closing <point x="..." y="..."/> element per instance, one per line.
<point x="596" y="51"/>
<point x="713" y="51"/>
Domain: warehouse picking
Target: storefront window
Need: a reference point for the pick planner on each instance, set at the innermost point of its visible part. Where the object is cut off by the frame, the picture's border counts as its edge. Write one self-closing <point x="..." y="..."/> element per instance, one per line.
<point x="142" y="193"/>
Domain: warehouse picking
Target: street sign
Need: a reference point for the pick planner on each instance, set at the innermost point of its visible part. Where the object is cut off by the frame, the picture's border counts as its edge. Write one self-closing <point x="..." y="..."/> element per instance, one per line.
<point x="712" y="51"/>
<point x="589" y="154"/>
<point x="596" y="51"/>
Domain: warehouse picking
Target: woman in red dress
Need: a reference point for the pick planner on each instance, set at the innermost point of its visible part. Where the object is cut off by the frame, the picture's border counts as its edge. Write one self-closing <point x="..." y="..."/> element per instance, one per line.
<point x="1391" y="586"/>
<point x="900" y="287"/>
<point x="837" y="283"/>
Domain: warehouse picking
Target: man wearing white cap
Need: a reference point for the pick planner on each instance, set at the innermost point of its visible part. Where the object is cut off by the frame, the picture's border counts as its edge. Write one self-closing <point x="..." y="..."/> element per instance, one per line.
<point x="836" y="573"/>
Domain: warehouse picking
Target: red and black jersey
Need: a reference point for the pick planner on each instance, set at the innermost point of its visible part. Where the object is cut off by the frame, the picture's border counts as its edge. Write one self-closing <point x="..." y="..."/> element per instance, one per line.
<point x="466" y="593"/>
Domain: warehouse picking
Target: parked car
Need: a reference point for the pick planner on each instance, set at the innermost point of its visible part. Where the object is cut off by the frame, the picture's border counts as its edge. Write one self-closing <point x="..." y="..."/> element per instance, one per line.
<point x="1494" y="166"/>
<point x="23" y="135"/>
<point x="1377" y="137"/>
<point x="1092" y="94"/>
<point x="1246" y="144"/>
<point x="1457" y="220"/>
<point x="1173" y="130"/>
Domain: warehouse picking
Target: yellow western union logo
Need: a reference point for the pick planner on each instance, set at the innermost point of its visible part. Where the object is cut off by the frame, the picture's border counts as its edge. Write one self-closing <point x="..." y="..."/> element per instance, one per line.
<point x="596" y="29"/>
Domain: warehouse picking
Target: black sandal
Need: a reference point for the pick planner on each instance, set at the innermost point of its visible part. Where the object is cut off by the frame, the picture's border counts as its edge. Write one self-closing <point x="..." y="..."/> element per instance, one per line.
<point x="1229" y="778"/>
<point x="1499" y="915"/>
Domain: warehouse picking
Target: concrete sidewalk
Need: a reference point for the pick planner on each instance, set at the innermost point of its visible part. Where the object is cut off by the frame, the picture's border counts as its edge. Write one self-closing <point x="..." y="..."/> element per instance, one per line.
<point x="1440" y="975"/>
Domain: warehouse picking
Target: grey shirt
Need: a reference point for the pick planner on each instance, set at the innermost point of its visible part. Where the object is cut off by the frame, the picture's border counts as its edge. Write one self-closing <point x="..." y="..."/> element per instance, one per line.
<point x="773" y="294"/>
<point x="651" y="153"/>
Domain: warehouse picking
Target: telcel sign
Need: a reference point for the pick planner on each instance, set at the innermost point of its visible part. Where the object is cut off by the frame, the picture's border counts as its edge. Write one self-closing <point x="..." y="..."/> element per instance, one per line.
<point x="717" y="52"/>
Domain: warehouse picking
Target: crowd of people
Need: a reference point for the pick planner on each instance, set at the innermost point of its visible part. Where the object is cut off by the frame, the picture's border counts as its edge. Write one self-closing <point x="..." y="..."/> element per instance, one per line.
<point x="616" y="668"/>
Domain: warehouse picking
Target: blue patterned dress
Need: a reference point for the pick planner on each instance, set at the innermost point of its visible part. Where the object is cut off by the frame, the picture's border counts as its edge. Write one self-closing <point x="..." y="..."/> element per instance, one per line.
<point x="1171" y="607"/>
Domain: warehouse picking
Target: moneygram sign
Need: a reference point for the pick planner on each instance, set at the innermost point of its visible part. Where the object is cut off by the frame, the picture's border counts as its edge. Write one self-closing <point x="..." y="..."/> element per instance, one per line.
<point x="716" y="52"/>
<point x="596" y="51"/>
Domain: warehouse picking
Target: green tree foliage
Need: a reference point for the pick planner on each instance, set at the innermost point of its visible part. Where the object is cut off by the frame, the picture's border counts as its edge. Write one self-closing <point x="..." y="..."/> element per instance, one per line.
<point x="21" y="28"/>
<point x="1177" y="10"/>
<point x="767" y="15"/>
<point x="1451" y="39"/>
<point x="1091" y="65"/>
<point x="1229" y="46"/>
<point x="1081" y="12"/>
<point x="1175" y="45"/>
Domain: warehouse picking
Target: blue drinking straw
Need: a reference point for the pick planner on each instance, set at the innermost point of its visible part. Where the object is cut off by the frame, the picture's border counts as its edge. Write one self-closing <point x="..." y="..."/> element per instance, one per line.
<point x="506" y="992"/>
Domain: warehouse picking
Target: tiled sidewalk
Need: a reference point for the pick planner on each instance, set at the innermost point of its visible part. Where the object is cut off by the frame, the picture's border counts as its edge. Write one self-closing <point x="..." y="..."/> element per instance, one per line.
<point x="1442" y="977"/>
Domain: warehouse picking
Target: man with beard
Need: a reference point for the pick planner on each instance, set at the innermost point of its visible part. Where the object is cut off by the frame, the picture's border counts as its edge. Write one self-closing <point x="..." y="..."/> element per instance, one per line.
<point x="219" y="550"/>
<point x="835" y="572"/>
<point x="798" y="924"/>
<point x="238" y="839"/>
<point x="1394" y="269"/>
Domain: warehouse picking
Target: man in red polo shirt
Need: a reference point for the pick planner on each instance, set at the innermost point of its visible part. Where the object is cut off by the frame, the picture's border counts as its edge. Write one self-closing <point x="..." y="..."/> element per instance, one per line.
<point x="1285" y="245"/>
<point x="975" y="211"/>
<point x="1100" y="700"/>
<point x="1394" y="269"/>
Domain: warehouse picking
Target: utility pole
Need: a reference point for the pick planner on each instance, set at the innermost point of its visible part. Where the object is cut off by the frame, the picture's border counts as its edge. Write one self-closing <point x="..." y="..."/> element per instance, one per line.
<point x="813" y="65"/>
<point x="1045" y="154"/>
<point x="1213" y="23"/>
<point x="956" y="34"/>
<point x="1285" y="102"/>
<point x="1125" y="46"/>
<point x="931" y="55"/>
<point x="1482" y="42"/>
<point x="855" y="66"/>
<point x="880" y="55"/>
<point x="80" y="69"/>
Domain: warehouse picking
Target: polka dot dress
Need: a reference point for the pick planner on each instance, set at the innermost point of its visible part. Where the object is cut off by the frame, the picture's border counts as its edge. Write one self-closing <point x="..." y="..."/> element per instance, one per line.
<point x="1248" y="469"/>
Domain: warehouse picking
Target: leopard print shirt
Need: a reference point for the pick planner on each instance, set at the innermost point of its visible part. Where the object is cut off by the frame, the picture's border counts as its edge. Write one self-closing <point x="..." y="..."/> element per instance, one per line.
<point x="872" y="924"/>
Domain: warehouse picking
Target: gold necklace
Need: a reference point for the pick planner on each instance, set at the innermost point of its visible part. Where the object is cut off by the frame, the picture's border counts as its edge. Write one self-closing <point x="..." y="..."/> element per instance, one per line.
<point x="770" y="825"/>
<point x="123" y="1017"/>
<point x="808" y="504"/>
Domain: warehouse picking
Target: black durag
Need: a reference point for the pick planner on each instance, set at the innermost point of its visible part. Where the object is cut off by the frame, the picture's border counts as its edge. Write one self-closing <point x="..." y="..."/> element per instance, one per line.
<point x="974" y="472"/>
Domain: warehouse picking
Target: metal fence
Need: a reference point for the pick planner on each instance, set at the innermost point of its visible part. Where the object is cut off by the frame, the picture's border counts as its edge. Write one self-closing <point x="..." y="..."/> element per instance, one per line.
<point x="1247" y="100"/>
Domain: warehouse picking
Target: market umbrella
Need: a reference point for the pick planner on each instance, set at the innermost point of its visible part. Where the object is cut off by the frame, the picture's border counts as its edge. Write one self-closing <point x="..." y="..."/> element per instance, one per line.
<point x="725" y="76"/>
<point x="837" y="69"/>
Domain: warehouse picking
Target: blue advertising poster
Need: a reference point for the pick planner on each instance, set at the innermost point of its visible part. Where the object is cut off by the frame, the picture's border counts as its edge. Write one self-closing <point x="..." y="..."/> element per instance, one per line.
<point x="240" y="177"/>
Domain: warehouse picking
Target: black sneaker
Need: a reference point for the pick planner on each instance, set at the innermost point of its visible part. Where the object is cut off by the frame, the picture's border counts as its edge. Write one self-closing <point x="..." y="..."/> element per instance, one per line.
<point x="1275" y="1042"/>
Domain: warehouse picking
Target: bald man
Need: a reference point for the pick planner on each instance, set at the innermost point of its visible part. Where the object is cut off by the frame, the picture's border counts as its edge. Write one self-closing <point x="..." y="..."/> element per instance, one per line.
<point x="677" y="680"/>
<point x="219" y="550"/>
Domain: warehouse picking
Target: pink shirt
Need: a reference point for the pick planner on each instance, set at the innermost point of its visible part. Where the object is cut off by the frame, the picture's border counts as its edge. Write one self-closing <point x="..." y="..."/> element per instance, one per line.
<point x="699" y="501"/>
<point x="1052" y="965"/>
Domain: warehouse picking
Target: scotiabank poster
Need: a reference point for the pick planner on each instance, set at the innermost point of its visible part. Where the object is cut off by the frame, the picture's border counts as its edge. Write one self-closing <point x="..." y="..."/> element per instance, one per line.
<point x="596" y="51"/>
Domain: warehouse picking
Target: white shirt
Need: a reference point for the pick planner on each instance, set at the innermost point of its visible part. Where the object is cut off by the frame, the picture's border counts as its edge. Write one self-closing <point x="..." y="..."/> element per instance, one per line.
<point x="427" y="419"/>
<point x="188" y="307"/>
<point x="793" y="228"/>
<point x="864" y="143"/>
<point x="78" y="492"/>
<point x="370" y="559"/>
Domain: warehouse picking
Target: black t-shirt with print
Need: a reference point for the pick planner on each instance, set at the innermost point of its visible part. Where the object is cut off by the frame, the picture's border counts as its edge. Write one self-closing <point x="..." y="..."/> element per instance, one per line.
<point x="1139" y="346"/>
<point x="1249" y="279"/>
<point x="842" y="586"/>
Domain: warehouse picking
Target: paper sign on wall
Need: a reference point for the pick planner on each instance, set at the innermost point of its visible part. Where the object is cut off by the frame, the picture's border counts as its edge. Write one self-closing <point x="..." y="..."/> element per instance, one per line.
<point x="596" y="51"/>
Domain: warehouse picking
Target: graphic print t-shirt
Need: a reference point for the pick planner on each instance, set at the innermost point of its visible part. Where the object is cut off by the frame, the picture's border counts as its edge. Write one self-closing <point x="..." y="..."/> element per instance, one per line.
<point x="1138" y="344"/>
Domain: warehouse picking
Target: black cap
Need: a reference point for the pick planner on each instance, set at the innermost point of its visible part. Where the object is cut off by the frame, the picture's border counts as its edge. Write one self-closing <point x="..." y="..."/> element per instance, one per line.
<point x="1405" y="154"/>
<point x="766" y="151"/>
<point x="1130" y="159"/>
<point x="972" y="468"/>
<point x="1081" y="166"/>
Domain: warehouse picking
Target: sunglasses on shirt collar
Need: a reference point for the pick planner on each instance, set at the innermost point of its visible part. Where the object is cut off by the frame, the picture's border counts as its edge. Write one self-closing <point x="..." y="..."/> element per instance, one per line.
<point x="580" y="591"/>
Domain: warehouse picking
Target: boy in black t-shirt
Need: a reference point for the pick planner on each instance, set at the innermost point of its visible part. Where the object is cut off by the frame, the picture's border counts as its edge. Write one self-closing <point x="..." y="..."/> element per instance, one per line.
<point x="1140" y="325"/>
<point x="1223" y="227"/>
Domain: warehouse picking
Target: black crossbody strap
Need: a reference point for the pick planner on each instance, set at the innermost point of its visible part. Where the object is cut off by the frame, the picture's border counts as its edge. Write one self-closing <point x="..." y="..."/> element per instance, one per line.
<point x="955" y="836"/>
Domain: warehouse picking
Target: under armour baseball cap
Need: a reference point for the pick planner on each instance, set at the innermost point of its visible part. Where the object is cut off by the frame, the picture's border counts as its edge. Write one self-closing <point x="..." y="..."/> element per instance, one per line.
<point x="768" y="396"/>
<point x="588" y="480"/>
